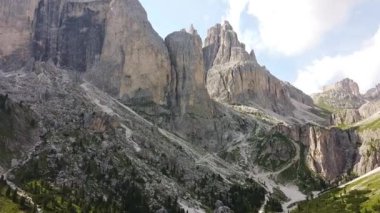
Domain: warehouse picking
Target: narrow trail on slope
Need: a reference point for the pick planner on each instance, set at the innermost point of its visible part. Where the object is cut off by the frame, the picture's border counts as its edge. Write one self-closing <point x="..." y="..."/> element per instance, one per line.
<point x="112" y="106"/>
<point x="291" y="191"/>
<point x="201" y="157"/>
<point x="13" y="186"/>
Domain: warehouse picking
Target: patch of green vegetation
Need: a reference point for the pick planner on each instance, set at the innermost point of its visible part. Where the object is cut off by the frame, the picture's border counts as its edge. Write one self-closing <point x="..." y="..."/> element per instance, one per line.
<point x="321" y="112"/>
<point x="360" y="196"/>
<point x="232" y="156"/>
<point x="271" y="150"/>
<point x="374" y="125"/>
<point x="343" y="126"/>
<point x="273" y="205"/>
<point x="301" y="175"/>
<point x="7" y="206"/>
<point x="321" y="103"/>
<point x="10" y="202"/>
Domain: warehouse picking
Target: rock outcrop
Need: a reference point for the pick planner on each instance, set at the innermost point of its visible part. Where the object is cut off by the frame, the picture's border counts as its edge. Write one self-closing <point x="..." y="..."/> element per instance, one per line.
<point x="16" y="18"/>
<point x="373" y="93"/>
<point x="343" y="100"/>
<point x="19" y="131"/>
<point x="298" y="95"/>
<point x="112" y="41"/>
<point x="346" y="85"/>
<point x="134" y="64"/>
<point x="331" y="152"/>
<point x="341" y="95"/>
<point x="369" y="152"/>
<point x="222" y="46"/>
<point x="235" y="77"/>
<point x="187" y="79"/>
<point x="69" y="33"/>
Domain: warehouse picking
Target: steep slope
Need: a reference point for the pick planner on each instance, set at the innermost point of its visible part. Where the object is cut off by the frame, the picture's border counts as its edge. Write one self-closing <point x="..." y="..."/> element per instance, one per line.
<point x="142" y="132"/>
<point x="94" y="144"/>
<point x="19" y="131"/>
<point x="359" y="195"/>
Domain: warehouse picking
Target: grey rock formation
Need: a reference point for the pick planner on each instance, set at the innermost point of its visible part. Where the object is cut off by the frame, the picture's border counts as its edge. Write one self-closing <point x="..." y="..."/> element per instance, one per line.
<point x="331" y="151"/>
<point x="134" y="64"/>
<point x="346" y="117"/>
<point x="70" y="33"/>
<point x="187" y="79"/>
<point x="222" y="46"/>
<point x="298" y="95"/>
<point x="110" y="40"/>
<point x="344" y="94"/>
<point x="16" y="17"/>
<point x="373" y="93"/>
<point x="19" y="130"/>
<point x="235" y="77"/>
<point x="343" y="99"/>
<point x="346" y="85"/>
<point x="369" y="152"/>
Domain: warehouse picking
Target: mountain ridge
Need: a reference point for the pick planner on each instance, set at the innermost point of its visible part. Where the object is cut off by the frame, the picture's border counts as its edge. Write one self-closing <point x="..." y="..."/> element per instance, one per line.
<point x="120" y="112"/>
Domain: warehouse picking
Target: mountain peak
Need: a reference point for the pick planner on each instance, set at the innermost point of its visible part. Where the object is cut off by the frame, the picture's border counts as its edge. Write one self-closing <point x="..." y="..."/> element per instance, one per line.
<point x="373" y="93"/>
<point x="227" y="26"/>
<point x="346" y="85"/>
<point x="222" y="46"/>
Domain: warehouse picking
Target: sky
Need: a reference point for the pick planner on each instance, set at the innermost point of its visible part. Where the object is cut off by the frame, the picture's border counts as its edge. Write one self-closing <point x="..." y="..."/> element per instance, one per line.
<point x="309" y="43"/>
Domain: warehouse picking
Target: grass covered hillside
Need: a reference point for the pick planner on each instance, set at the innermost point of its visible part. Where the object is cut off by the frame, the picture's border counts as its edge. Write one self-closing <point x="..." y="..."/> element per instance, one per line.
<point x="359" y="195"/>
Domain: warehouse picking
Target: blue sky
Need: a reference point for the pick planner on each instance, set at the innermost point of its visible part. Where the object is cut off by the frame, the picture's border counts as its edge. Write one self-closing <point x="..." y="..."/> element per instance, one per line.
<point x="309" y="43"/>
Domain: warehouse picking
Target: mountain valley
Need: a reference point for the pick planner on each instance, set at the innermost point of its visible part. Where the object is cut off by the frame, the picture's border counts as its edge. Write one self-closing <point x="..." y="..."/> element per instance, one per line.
<point x="98" y="113"/>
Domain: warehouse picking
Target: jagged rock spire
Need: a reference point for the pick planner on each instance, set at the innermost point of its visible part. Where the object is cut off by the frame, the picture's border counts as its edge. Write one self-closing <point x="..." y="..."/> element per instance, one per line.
<point x="223" y="46"/>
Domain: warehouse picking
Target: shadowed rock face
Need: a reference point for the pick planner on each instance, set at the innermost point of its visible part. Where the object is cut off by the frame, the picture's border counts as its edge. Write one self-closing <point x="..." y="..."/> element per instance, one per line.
<point x="112" y="41"/>
<point x="71" y="34"/>
<point x="298" y="95"/>
<point x="373" y="93"/>
<point x="18" y="130"/>
<point x="187" y="82"/>
<point x="16" y="17"/>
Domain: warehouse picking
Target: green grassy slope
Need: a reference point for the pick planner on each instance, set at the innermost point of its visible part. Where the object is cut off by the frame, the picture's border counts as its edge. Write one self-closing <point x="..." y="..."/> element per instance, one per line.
<point x="361" y="195"/>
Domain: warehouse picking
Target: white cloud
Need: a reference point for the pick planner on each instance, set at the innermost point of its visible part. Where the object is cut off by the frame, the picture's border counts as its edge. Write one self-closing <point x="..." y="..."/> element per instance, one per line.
<point x="290" y="26"/>
<point x="363" y="66"/>
<point x="235" y="10"/>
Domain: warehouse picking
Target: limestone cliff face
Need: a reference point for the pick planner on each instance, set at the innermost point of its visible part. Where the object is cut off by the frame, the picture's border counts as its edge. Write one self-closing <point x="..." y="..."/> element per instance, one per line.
<point x="298" y="95"/>
<point x="331" y="152"/>
<point x="373" y="93"/>
<point x="134" y="63"/>
<point x="369" y="152"/>
<point x="341" y="95"/>
<point x="187" y="79"/>
<point x="112" y="41"/>
<point x="346" y="116"/>
<point x="343" y="99"/>
<point x="16" y="17"/>
<point x="70" y="33"/>
<point x="235" y="77"/>
<point x="222" y="46"/>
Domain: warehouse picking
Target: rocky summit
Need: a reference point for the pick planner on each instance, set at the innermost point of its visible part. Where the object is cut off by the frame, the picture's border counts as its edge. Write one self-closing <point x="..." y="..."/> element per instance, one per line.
<point x="98" y="113"/>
